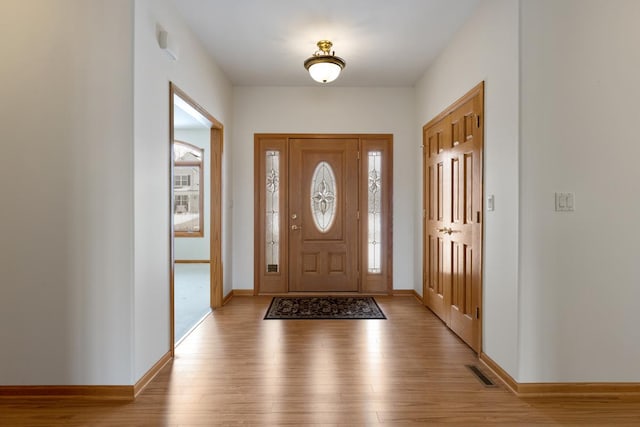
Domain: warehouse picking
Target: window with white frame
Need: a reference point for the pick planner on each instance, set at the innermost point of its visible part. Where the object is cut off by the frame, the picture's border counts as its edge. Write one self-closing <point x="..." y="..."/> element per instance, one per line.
<point x="188" y="219"/>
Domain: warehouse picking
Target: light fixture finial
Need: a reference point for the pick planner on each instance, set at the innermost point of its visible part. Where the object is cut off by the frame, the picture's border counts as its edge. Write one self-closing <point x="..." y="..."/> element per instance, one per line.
<point x="325" y="46"/>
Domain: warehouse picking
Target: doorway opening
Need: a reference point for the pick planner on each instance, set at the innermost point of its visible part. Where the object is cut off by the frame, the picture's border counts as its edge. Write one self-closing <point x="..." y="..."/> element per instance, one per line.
<point x="195" y="210"/>
<point x="323" y="213"/>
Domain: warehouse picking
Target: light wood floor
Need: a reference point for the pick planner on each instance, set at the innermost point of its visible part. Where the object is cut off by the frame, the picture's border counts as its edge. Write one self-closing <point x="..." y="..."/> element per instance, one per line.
<point x="237" y="369"/>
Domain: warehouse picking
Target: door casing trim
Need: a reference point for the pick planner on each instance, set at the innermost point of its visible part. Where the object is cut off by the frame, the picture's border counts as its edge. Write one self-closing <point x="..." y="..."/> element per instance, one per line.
<point x="280" y="141"/>
<point x="216" y="145"/>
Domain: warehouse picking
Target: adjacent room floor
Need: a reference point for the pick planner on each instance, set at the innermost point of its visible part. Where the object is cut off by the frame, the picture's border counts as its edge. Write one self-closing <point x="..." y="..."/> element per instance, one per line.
<point x="191" y="295"/>
<point x="238" y="369"/>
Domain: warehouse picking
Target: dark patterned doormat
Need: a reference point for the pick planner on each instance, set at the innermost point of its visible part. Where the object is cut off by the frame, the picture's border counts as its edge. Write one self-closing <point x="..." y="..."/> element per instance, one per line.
<point x="324" y="308"/>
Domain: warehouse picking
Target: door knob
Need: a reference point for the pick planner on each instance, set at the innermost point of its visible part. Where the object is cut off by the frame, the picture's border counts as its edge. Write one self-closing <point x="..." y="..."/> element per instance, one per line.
<point x="448" y="230"/>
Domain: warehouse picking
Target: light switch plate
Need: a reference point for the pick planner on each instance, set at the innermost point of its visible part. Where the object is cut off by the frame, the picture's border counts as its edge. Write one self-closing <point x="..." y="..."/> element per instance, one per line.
<point x="491" y="203"/>
<point x="565" y="202"/>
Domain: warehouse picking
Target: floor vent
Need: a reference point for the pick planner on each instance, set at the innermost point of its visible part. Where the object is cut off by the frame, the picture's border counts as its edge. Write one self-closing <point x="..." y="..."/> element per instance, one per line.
<point x="482" y="377"/>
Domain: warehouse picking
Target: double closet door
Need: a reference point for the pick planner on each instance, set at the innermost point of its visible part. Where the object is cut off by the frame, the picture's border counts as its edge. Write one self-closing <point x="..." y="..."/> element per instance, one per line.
<point x="452" y="265"/>
<point x="322" y="213"/>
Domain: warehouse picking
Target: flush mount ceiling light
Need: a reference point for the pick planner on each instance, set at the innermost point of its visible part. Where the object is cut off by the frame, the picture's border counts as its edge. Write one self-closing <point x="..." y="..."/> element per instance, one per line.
<point x="324" y="66"/>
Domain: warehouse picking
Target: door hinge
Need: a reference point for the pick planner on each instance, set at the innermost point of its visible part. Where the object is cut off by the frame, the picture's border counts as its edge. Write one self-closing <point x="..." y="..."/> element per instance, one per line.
<point x="358" y="215"/>
<point x="358" y="155"/>
<point x="477" y="312"/>
<point x="424" y="213"/>
<point x="478" y="119"/>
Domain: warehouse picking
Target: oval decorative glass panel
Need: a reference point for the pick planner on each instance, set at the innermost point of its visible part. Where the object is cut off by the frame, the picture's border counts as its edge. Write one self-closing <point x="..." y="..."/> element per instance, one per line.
<point x="323" y="196"/>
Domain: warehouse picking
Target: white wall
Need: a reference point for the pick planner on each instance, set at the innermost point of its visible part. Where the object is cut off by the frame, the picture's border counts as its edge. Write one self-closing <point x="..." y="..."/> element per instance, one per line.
<point x="67" y="200"/>
<point x="580" y="273"/>
<point x="486" y="48"/>
<point x="197" y="75"/>
<point x="197" y="248"/>
<point x="324" y="110"/>
<point x="72" y="139"/>
<point x="87" y="283"/>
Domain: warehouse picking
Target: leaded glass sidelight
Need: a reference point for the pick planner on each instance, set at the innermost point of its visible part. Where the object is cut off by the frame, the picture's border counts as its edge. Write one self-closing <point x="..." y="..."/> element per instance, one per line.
<point x="272" y="214"/>
<point x="374" y="237"/>
<point x="323" y="197"/>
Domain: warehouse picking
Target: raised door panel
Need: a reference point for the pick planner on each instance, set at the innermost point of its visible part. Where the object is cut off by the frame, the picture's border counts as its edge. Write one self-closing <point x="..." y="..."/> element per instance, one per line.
<point x="463" y="314"/>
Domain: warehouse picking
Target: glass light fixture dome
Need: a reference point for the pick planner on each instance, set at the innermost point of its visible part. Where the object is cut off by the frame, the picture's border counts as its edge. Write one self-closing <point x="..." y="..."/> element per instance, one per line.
<point x="324" y="66"/>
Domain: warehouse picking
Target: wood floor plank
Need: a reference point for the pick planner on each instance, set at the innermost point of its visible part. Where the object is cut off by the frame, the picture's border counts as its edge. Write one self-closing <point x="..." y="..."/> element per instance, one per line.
<point x="237" y="369"/>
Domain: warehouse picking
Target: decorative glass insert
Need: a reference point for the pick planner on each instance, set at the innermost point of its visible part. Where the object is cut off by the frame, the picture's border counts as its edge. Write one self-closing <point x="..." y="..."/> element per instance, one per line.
<point x="272" y="223"/>
<point x="374" y="221"/>
<point x="323" y="196"/>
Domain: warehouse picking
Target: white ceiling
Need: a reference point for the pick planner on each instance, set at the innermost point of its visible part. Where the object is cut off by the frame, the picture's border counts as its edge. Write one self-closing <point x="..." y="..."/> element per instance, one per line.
<point x="265" y="42"/>
<point x="186" y="117"/>
<point x="184" y="120"/>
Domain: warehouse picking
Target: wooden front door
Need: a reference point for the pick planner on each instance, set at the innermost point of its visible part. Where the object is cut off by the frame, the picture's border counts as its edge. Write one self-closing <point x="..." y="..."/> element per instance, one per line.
<point x="453" y="145"/>
<point x="323" y="215"/>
